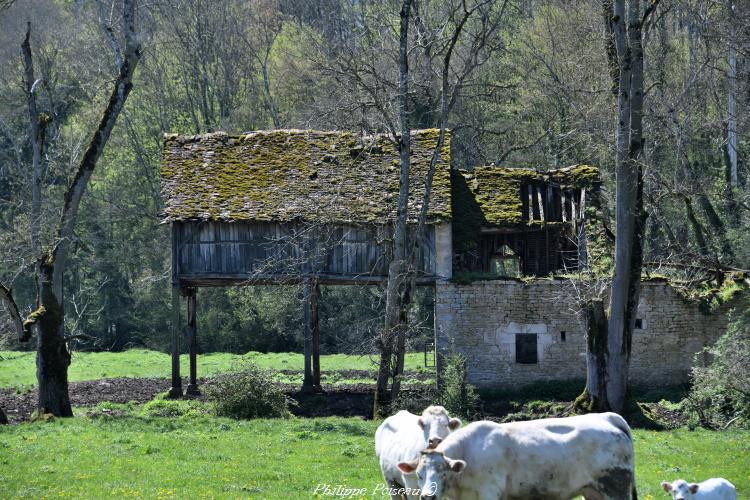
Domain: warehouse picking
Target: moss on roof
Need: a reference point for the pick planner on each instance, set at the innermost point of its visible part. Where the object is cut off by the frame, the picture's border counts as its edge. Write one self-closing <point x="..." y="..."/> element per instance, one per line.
<point x="286" y="175"/>
<point x="492" y="195"/>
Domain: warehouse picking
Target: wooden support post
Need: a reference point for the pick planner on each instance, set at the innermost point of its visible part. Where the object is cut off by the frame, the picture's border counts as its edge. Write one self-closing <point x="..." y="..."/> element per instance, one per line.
<point x="315" y="328"/>
<point x="541" y="204"/>
<point x="307" y="382"/>
<point x="176" y="390"/>
<point x="192" y="388"/>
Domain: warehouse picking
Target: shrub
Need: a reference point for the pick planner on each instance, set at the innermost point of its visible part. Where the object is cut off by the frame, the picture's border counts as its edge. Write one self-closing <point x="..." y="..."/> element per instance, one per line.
<point x="720" y="395"/>
<point x="248" y="392"/>
<point x="457" y="395"/>
<point x="160" y="407"/>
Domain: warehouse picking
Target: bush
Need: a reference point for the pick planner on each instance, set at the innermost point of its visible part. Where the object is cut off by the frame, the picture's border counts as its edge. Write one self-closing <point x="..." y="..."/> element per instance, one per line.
<point x="720" y="395"/>
<point x="160" y="407"/>
<point x="247" y="392"/>
<point x="457" y="395"/>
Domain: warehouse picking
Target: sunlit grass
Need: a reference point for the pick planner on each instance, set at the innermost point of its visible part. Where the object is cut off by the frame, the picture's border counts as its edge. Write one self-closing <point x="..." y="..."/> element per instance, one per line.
<point x="17" y="369"/>
<point x="207" y="457"/>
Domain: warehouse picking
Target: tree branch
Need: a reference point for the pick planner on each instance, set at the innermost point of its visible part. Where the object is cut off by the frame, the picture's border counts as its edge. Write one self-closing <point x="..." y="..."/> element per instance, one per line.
<point x="38" y="123"/>
<point x="106" y="25"/>
<point x="122" y="87"/>
<point x="23" y="330"/>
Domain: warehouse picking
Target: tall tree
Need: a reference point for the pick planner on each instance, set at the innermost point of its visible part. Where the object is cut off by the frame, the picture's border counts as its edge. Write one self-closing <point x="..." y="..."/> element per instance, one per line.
<point x="732" y="100"/>
<point x="47" y="321"/>
<point x="397" y="266"/>
<point x="610" y="347"/>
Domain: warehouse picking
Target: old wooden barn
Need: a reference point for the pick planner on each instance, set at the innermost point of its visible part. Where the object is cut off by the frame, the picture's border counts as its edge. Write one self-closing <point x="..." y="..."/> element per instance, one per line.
<point x="291" y="206"/>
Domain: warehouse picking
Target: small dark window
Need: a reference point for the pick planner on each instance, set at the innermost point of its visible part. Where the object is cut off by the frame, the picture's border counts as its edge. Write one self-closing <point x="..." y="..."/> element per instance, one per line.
<point x="562" y="336"/>
<point x="639" y="324"/>
<point x="526" y="348"/>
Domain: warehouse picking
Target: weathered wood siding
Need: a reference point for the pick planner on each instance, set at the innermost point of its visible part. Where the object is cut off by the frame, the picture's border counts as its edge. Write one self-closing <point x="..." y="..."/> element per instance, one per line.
<point x="248" y="250"/>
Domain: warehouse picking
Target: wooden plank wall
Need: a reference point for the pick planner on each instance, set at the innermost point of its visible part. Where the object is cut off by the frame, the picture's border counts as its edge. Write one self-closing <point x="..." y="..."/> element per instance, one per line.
<point x="268" y="249"/>
<point x="550" y="203"/>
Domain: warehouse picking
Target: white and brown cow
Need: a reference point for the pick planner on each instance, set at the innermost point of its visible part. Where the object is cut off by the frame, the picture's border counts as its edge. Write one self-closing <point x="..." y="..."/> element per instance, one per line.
<point x="550" y="459"/>
<point x="403" y="436"/>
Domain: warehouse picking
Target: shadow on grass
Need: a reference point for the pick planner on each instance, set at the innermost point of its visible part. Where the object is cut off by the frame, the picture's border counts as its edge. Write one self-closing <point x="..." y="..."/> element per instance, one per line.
<point x="554" y="398"/>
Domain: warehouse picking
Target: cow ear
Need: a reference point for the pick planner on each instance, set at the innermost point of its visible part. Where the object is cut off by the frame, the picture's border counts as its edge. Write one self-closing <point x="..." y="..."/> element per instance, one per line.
<point x="693" y="487"/>
<point x="454" y="424"/>
<point x="408" y="467"/>
<point x="667" y="486"/>
<point x="420" y="422"/>
<point x="456" y="465"/>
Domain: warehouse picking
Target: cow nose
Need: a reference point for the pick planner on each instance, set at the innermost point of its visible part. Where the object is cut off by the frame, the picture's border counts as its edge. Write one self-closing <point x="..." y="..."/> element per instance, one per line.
<point x="433" y="442"/>
<point x="428" y="497"/>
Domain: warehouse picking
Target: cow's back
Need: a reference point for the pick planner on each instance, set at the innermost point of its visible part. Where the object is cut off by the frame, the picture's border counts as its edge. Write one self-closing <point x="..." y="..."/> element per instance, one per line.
<point x="549" y="458"/>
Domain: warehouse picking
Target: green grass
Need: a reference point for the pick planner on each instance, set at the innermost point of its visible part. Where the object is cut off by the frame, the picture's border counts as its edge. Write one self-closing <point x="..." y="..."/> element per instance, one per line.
<point x="17" y="369"/>
<point x="202" y="457"/>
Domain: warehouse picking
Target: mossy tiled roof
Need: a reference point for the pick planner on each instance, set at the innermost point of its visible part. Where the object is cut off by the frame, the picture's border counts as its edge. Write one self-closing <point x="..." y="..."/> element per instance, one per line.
<point x="286" y="175"/>
<point x="492" y="195"/>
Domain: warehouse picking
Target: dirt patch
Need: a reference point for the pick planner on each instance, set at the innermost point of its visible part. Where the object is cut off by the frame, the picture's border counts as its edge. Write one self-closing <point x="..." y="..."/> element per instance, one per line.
<point x="19" y="407"/>
<point x="339" y="400"/>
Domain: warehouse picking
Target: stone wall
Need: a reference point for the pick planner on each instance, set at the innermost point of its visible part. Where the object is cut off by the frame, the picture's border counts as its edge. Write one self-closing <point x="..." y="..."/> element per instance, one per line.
<point x="481" y="320"/>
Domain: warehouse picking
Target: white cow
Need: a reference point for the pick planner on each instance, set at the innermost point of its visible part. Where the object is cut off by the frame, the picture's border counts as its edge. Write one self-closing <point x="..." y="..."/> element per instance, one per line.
<point x="553" y="459"/>
<point x="716" y="488"/>
<point x="403" y="436"/>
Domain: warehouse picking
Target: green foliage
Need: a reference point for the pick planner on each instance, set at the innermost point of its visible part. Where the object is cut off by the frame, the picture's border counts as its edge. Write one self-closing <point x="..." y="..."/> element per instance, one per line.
<point x="161" y="407"/>
<point x="457" y="395"/>
<point x="247" y="392"/>
<point x="709" y="298"/>
<point x="720" y="395"/>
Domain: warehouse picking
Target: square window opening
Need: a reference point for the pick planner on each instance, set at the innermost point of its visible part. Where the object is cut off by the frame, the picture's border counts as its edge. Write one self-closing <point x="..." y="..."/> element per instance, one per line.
<point x="526" y="348"/>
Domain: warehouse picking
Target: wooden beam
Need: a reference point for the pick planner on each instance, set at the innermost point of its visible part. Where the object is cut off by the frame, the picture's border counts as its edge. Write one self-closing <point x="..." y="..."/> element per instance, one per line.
<point x="307" y="381"/>
<point x="541" y="204"/>
<point x="583" y="203"/>
<point x="176" y="390"/>
<point x="315" y="330"/>
<point x="216" y="279"/>
<point x="192" y="388"/>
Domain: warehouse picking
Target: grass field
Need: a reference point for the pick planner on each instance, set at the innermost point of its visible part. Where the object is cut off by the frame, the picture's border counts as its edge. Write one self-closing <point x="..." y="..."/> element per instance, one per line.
<point x="199" y="456"/>
<point x="17" y="369"/>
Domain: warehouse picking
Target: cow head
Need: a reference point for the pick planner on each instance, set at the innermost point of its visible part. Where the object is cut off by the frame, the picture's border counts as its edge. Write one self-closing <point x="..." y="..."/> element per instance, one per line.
<point x="436" y="425"/>
<point x="680" y="489"/>
<point x="435" y="473"/>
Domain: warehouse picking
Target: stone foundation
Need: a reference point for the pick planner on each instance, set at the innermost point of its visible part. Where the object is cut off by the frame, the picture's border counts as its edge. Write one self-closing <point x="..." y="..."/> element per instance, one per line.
<point x="482" y="320"/>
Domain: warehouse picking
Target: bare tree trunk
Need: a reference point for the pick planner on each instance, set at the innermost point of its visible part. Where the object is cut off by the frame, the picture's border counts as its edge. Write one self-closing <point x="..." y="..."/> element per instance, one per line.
<point x="38" y="124"/>
<point x="625" y="53"/>
<point x="696" y="226"/>
<point x="594" y="397"/>
<point x="732" y="103"/>
<point x="53" y="357"/>
<point x="267" y="90"/>
<point x="396" y="269"/>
